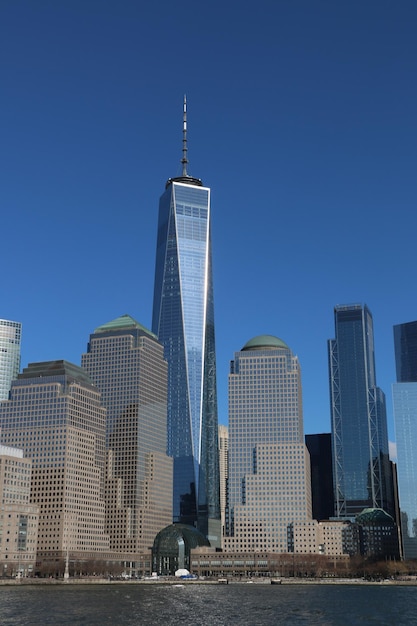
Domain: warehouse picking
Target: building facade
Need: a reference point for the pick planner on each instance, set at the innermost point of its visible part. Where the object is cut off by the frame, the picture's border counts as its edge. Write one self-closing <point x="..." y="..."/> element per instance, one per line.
<point x="320" y="449"/>
<point x="55" y="416"/>
<point x="126" y="363"/>
<point x="269" y="489"/>
<point x="10" y="337"/>
<point x="223" y="468"/>
<point x="18" y="515"/>
<point x="183" y="320"/>
<point x="404" y="393"/>
<point x="361" y="469"/>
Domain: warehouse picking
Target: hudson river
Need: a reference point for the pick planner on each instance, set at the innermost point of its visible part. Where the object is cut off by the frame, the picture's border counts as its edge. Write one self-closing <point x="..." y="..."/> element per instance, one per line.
<point x="208" y="605"/>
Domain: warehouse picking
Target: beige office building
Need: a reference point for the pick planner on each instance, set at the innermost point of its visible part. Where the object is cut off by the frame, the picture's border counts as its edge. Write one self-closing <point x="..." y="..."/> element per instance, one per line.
<point x="126" y="363"/>
<point x="269" y="487"/>
<point x="18" y="516"/>
<point x="55" y="415"/>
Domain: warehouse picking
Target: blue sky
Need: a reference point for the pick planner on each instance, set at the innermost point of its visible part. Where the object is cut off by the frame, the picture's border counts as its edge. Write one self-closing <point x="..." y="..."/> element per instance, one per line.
<point x="302" y="120"/>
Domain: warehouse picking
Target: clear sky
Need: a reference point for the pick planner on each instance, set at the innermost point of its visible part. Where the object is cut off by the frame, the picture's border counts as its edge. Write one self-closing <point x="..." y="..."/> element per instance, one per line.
<point x="302" y="120"/>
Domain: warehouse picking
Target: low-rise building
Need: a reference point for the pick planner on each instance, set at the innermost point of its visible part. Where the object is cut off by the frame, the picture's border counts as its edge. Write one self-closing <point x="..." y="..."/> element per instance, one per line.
<point x="18" y="515"/>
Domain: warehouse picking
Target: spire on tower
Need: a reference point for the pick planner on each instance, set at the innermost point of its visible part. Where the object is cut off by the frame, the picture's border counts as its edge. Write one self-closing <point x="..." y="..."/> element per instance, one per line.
<point x="184" y="159"/>
<point x="185" y="177"/>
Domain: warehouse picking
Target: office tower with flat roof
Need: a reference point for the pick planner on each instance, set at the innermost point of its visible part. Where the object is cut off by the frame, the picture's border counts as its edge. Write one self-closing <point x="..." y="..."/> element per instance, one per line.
<point x="361" y="469"/>
<point x="269" y="490"/>
<point x="10" y="336"/>
<point x="404" y="393"/>
<point x="223" y="466"/>
<point x="126" y="363"/>
<point x="183" y="319"/>
<point x="18" y="515"/>
<point x="320" y="449"/>
<point x="55" y="416"/>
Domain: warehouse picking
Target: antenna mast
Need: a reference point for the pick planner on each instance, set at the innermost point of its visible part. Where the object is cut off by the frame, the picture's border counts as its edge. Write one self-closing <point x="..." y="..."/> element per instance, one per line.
<point x="184" y="159"/>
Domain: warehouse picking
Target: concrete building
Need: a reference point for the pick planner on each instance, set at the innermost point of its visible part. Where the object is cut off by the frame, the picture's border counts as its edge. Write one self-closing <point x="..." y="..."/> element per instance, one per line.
<point x="10" y="337"/>
<point x="269" y="489"/>
<point x="183" y="319"/>
<point x="126" y="363"/>
<point x="18" y="516"/>
<point x="55" y="416"/>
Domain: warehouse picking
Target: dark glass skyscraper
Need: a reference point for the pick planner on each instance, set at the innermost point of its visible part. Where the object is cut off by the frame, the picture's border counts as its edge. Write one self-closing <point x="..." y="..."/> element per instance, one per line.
<point x="404" y="393"/>
<point x="183" y="320"/>
<point x="361" y="468"/>
<point x="405" y="344"/>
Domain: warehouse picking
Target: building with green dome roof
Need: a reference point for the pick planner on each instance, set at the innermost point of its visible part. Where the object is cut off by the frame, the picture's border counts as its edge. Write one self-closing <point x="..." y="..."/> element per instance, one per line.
<point x="264" y="342"/>
<point x="126" y="362"/>
<point x="269" y="485"/>
<point x="378" y="534"/>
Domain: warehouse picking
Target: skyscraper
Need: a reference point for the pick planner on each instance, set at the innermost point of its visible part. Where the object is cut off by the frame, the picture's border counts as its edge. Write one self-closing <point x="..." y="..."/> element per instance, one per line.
<point x="404" y="393"/>
<point x="126" y="363"/>
<point x="10" y="334"/>
<point x="183" y="320"/>
<point x="269" y="488"/>
<point x="55" y="415"/>
<point x="361" y="468"/>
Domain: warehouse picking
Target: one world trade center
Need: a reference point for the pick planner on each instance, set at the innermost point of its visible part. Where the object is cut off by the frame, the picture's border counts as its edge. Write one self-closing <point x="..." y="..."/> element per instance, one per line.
<point x="183" y="319"/>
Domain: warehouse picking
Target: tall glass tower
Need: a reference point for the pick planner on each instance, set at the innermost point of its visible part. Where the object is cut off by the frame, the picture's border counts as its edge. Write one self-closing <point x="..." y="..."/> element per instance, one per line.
<point x="404" y="393"/>
<point x="183" y="320"/>
<point x="361" y="468"/>
<point x="10" y="334"/>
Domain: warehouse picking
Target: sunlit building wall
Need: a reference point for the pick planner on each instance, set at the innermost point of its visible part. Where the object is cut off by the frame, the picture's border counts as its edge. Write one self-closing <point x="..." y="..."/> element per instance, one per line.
<point x="18" y="515"/>
<point x="269" y="487"/>
<point x="55" y="416"/>
<point x="126" y="363"/>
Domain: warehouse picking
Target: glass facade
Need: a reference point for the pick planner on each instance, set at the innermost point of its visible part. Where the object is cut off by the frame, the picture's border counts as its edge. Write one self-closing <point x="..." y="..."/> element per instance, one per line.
<point x="361" y="468"/>
<point x="183" y="320"/>
<point x="405" y="344"/>
<point x="404" y="394"/>
<point x="10" y="335"/>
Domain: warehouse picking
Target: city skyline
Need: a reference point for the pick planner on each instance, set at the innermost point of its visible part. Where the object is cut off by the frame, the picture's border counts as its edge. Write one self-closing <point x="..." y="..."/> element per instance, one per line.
<point x="310" y="153"/>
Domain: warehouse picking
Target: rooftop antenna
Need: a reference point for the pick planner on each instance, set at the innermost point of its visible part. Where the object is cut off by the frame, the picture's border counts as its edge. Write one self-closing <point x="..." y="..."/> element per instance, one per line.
<point x="184" y="159"/>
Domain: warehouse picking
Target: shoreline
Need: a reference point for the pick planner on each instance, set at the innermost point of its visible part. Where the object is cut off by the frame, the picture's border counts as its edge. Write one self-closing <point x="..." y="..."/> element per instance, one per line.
<point x="79" y="582"/>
